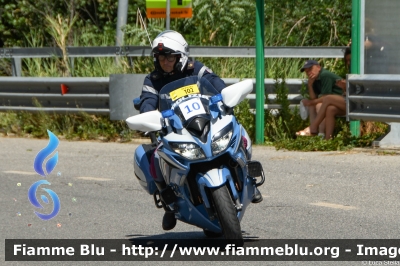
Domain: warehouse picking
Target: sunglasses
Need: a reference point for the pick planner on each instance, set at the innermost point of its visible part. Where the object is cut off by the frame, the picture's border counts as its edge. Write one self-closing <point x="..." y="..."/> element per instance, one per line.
<point x="170" y="57"/>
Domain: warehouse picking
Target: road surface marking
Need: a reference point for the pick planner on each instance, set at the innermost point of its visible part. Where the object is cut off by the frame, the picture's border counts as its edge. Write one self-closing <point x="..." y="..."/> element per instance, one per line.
<point x="94" y="178"/>
<point x="333" y="205"/>
<point x="19" y="172"/>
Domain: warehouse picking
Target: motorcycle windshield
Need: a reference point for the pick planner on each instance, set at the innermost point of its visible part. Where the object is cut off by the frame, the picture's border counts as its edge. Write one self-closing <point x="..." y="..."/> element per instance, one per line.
<point x="182" y="89"/>
<point x="189" y="99"/>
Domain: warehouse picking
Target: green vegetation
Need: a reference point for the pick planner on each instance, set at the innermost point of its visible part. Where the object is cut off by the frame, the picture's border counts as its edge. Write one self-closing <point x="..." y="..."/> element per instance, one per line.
<point x="66" y="23"/>
<point x="392" y="153"/>
<point x="280" y="128"/>
<point x="73" y="126"/>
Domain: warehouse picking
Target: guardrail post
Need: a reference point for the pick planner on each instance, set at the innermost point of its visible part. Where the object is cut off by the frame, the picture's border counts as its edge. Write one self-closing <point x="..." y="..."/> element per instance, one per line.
<point x="122" y="18"/>
<point x="168" y="15"/>
<point x="121" y="21"/>
<point x="391" y="139"/>
<point x="15" y="64"/>
<point x="16" y="67"/>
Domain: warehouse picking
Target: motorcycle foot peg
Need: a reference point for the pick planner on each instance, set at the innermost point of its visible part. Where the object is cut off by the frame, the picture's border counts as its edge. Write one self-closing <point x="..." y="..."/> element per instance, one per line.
<point x="168" y="196"/>
<point x="238" y="205"/>
<point x="157" y="199"/>
<point x="254" y="170"/>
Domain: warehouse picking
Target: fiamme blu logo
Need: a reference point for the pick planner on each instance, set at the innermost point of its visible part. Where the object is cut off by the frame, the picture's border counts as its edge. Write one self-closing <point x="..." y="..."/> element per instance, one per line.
<point x="49" y="166"/>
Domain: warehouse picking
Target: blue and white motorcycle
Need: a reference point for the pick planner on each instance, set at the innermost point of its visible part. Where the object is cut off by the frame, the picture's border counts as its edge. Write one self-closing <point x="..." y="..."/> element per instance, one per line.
<point x="202" y="154"/>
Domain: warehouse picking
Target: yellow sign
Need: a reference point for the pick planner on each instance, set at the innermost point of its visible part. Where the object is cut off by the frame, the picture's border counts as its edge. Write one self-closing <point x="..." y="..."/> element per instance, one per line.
<point x="179" y="8"/>
<point x="184" y="91"/>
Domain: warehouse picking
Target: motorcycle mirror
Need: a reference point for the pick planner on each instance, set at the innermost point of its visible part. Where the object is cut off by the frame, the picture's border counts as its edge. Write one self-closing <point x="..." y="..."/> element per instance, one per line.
<point x="150" y="121"/>
<point x="235" y="93"/>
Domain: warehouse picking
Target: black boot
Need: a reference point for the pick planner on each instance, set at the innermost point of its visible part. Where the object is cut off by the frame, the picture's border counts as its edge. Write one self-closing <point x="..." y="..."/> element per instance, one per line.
<point x="257" y="197"/>
<point x="169" y="220"/>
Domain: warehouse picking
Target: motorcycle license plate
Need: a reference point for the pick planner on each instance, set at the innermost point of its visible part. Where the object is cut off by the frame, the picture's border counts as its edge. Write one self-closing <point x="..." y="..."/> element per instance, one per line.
<point x="184" y="91"/>
<point x="191" y="108"/>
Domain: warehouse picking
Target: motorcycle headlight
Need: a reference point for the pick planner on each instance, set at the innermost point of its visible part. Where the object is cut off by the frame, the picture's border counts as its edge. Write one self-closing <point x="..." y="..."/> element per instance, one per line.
<point x="220" y="144"/>
<point x="190" y="151"/>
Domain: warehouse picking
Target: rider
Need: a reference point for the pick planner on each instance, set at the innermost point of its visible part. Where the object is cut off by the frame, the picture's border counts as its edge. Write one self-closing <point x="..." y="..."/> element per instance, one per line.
<point x="170" y="51"/>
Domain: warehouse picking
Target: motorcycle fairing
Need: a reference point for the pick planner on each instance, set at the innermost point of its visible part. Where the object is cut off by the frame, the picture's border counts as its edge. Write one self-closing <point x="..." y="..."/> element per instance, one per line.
<point x="142" y="169"/>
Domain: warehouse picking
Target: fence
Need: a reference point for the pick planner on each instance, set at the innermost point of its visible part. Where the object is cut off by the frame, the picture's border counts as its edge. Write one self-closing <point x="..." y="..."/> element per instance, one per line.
<point x="92" y="95"/>
<point x="84" y="94"/>
<point x="376" y="98"/>
<point x="370" y="97"/>
<point x="111" y="95"/>
<point x="16" y="54"/>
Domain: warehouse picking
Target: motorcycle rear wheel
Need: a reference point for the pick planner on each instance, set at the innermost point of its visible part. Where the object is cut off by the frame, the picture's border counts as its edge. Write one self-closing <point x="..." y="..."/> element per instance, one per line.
<point x="226" y="212"/>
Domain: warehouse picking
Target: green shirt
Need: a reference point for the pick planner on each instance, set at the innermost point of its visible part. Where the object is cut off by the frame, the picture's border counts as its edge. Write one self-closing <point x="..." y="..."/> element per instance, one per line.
<point x="326" y="83"/>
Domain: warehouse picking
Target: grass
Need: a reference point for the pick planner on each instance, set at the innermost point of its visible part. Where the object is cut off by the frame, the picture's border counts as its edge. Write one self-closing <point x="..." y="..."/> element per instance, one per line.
<point x="73" y="126"/>
<point x="385" y="153"/>
<point x="280" y="131"/>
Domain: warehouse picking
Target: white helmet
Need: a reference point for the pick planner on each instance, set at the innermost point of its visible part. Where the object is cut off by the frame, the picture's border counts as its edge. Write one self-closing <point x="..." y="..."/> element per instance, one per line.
<point x="171" y="42"/>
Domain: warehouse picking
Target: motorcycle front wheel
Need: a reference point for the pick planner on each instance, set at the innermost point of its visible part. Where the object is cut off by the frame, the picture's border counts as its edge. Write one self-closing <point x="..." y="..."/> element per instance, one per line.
<point x="227" y="215"/>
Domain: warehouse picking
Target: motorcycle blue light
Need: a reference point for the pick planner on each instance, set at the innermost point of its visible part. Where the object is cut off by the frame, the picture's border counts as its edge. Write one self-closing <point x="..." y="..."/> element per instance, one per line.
<point x="167" y="113"/>
<point x="216" y="98"/>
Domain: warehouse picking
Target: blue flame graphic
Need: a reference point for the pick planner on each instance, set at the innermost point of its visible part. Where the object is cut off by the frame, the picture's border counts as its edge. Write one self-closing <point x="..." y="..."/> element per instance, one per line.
<point x="34" y="201"/>
<point x="41" y="156"/>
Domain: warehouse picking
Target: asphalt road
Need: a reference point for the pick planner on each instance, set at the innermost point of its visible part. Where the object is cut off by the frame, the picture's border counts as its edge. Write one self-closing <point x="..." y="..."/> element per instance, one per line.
<point x="307" y="195"/>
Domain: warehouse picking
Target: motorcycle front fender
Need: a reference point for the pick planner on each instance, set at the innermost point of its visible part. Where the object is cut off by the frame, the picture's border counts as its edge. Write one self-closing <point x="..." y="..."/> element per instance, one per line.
<point x="215" y="178"/>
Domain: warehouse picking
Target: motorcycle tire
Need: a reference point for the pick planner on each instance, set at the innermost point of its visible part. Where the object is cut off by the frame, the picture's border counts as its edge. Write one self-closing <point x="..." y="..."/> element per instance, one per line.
<point x="227" y="215"/>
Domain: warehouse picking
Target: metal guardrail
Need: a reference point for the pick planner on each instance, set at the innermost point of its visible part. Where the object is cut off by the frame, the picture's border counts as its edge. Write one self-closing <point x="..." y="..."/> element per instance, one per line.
<point x="195" y="51"/>
<point x="94" y="95"/>
<point x="369" y="97"/>
<point x="294" y="92"/>
<point x="90" y="95"/>
<point x="17" y="54"/>
<point x="376" y="97"/>
<point x="373" y="97"/>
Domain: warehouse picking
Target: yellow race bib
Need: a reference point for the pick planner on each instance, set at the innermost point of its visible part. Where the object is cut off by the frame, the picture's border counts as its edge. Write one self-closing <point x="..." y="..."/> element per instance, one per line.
<point x="184" y="91"/>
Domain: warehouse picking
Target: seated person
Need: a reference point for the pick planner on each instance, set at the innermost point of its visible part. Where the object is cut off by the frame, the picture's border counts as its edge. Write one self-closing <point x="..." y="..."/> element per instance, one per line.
<point x="330" y="100"/>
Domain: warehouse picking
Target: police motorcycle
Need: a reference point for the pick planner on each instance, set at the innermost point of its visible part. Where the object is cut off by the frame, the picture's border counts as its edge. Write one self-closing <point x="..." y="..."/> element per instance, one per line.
<point x="202" y="154"/>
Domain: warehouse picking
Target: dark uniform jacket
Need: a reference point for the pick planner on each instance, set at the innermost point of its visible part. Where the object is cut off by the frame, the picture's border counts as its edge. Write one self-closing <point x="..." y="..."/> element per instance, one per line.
<point x="156" y="80"/>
